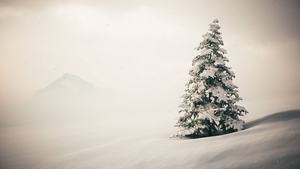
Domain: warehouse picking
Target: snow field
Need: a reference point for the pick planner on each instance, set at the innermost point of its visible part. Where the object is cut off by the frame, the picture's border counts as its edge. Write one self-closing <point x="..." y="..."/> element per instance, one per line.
<point x="269" y="142"/>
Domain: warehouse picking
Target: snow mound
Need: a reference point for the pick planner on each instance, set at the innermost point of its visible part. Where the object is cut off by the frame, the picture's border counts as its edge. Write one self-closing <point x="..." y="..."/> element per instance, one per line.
<point x="268" y="142"/>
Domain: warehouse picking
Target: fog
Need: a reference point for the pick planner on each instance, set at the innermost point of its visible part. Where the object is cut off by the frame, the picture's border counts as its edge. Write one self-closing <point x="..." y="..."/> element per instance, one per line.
<point x="144" y="49"/>
<point x="97" y="84"/>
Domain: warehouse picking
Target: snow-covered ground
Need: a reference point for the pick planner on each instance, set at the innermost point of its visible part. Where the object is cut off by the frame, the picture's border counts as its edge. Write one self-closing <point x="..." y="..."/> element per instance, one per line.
<point x="143" y="142"/>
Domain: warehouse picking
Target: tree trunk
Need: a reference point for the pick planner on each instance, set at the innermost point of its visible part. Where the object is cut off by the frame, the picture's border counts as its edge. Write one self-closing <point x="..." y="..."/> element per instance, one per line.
<point x="209" y="129"/>
<point x="209" y="132"/>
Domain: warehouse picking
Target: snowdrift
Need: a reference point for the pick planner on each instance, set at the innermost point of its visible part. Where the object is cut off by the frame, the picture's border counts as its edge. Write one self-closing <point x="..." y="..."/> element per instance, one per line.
<point x="143" y="142"/>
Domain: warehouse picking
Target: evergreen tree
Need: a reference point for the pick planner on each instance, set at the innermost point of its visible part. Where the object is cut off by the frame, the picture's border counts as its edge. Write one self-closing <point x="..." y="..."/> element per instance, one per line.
<point x="209" y="102"/>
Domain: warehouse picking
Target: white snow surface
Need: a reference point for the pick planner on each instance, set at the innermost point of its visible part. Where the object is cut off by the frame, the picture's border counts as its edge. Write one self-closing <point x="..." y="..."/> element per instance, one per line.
<point x="143" y="142"/>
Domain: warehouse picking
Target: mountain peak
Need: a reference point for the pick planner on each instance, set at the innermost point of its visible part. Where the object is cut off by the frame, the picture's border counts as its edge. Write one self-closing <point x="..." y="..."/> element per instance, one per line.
<point x="67" y="76"/>
<point x="67" y="85"/>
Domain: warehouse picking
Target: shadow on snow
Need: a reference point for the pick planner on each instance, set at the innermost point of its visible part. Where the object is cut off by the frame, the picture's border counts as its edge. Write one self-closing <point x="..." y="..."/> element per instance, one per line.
<point x="273" y="118"/>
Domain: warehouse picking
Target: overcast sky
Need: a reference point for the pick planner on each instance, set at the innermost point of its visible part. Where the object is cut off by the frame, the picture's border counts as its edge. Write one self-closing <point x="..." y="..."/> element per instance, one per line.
<point x="145" y="49"/>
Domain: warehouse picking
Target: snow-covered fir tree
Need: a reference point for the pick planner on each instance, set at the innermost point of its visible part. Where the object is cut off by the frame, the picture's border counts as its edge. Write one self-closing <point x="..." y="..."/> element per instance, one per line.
<point x="209" y="102"/>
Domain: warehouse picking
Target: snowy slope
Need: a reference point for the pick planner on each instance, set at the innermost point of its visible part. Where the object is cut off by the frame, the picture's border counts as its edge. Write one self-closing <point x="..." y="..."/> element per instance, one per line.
<point x="143" y="142"/>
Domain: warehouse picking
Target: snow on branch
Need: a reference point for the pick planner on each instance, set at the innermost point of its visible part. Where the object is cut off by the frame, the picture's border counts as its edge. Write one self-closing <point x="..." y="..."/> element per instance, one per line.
<point x="209" y="71"/>
<point x="220" y="61"/>
<point x="210" y="96"/>
<point x="234" y="124"/>
<point x="205" y="52"/>
<point x="222" y="50"/>
<point x="219" y="92"/>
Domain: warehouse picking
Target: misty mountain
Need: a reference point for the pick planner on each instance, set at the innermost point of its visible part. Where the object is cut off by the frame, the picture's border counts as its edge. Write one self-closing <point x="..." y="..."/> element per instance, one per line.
<point x="70" y="98"/>
<point x="67" y="86"/>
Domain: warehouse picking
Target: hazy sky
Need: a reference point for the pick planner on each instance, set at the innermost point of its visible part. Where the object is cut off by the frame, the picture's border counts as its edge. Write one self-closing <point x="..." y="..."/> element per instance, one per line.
<point x="145" y="49"/>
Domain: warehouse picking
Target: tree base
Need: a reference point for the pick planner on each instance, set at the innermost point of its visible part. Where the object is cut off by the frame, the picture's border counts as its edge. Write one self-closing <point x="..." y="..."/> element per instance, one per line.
<point x="215" y="133"/>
